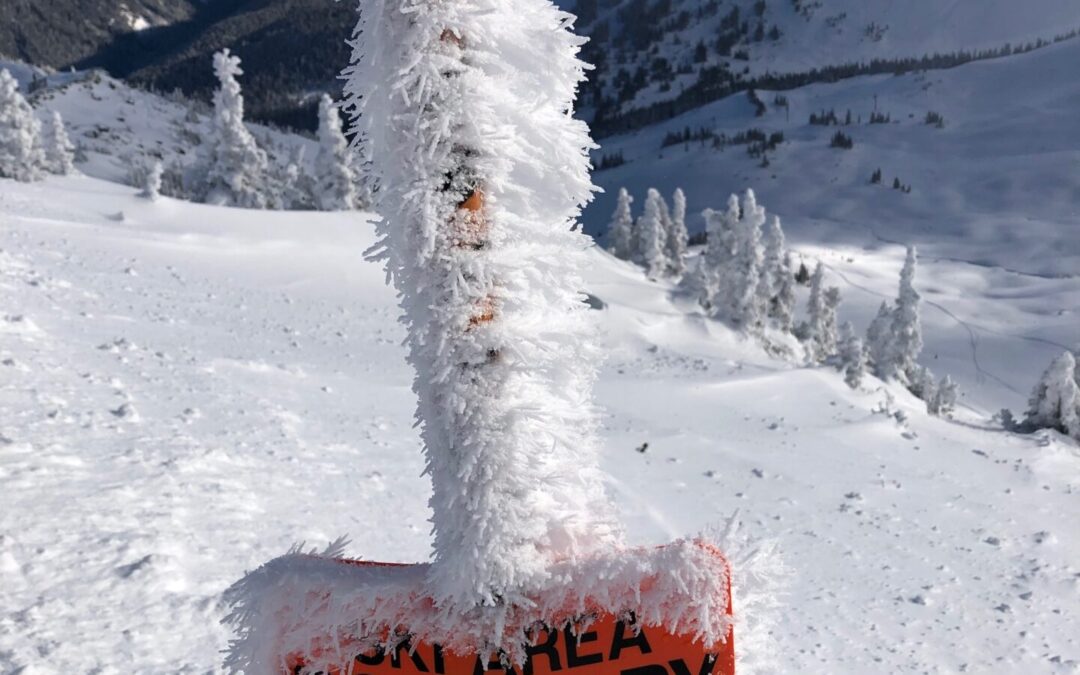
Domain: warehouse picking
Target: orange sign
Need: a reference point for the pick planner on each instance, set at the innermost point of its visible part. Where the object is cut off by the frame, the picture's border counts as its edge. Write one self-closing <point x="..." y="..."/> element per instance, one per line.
<point x="606" y="646"/>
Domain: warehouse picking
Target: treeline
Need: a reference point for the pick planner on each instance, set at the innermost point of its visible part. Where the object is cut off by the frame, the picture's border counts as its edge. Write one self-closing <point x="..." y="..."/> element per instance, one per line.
<point x="756" y="140"/>
<point x="716" y="82"/>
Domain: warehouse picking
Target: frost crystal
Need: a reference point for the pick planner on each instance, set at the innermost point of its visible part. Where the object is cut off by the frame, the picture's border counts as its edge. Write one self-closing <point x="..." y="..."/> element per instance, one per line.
<point x="450" y="101"/>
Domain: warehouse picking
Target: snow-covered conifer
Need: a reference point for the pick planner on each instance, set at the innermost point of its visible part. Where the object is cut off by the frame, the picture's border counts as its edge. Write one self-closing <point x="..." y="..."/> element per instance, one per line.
<point x="59" y="152"/>
<point x="677" y="235"/>
<point x="652" y="236"/>
<point x="776" y="288"/>
<point x="335" y="184"/>
<point x="737" y="296"/>
<point x="852" y="356"/>
<point x="152" y="180"/>
<point x="1055" y="401"/>
<point x="782" y="309"/>
<point x="234" y="168"/>
<point x="21" y="156"/>
<point x="665" y="217"/>
<point x="906" y="330"/>
<point x="298" y="187"/>
<point x="827" y="334"/>
<point x="620" y="237"/>
<point x="944" y="400"/>
<point x="922" y="383"/>
<point x="878" y="339"/>
<point x="477" y="235"/>
<point x="717" y="256"/>
<point x="812" y="331"/>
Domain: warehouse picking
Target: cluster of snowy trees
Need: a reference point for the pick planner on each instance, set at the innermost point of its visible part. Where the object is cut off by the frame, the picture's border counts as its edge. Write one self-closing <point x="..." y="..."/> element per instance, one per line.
<point x="657" y="239"/>
<point x="231" y="167"/>
<point x="1055" y="401"/>
<point x="892" y="345"/>
<point x="744" y="275"/>
<point x="894" y="342"/>
<point x="27" y="149"/>
<point x="233" y="170"/>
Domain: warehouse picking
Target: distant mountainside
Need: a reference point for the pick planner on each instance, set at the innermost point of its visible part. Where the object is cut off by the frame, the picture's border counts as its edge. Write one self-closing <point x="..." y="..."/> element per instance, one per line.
<point x="60" y="33"/>
<point x="658" y="58"/>
<point x="291" y="49"/>
<point x="654" y="58"/>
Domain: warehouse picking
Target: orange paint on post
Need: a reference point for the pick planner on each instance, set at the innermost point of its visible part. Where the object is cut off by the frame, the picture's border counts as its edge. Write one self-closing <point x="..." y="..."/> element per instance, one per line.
<point x="474" y="202"/>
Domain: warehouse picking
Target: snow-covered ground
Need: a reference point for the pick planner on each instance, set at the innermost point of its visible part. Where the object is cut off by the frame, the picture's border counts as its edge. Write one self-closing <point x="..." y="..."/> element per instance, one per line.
<point x="188" y="390"/>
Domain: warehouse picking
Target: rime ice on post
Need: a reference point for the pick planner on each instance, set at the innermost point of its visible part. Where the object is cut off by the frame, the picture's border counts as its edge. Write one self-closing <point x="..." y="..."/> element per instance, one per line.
<point x="451" y="102"/>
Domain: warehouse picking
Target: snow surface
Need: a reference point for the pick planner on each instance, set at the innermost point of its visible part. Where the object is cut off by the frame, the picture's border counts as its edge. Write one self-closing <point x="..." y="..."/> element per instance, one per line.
<point x="189" y="390"/>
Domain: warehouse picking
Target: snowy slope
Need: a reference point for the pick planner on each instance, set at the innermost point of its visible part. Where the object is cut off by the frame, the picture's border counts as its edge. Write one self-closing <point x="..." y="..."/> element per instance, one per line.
<point x="119" y="127"/>
<point x="189" y="390"/>
<point x="842" y="31"/>
<point x="993" y="207"/>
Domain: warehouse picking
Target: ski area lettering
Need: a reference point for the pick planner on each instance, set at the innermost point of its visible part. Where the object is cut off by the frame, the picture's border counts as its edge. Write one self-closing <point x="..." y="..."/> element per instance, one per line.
<point x="608" y="647"/>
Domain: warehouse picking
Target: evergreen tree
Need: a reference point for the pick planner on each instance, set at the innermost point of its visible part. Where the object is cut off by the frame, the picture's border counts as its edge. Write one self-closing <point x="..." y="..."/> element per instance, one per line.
<point x="944" y="400"/>
<point x="1055" y="401"/>
<point x="652" y="236"/>
<point x="621" y="230"/>
<point x="718" y="255"/>
<point x="819" y="331"/>
<point x="828" y="336"/>
<point x="677" y="235"/>
<point x="802" y="275"/>
<point x="233" y="170"/>
<point x="479" y="237"/>
<point x="906" y="330"/>
<point x="783" y="303"/>
<point x="815" y="307"/>
<point x="777" y="283"/>
<point x="747" y="309"/>
<point x="852" y="356"/>
<point x="878" y="339"/>
<point x="21" y="156"/>
<point x="335" y="184"/>
<point x="152" y="181"/>
<point x="298" y="191"/>
<point x="921" y="383"/>
<point x="59" y="152"/>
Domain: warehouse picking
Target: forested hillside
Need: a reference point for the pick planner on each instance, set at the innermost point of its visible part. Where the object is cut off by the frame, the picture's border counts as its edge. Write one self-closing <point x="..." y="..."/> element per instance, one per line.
<point x="658" y="58"/>
<point x="654" y="58"/>
<point x="291" y="49"/>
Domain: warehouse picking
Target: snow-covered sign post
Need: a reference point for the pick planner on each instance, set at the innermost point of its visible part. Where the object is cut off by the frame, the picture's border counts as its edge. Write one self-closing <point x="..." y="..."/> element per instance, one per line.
<point x="463" y="111"/>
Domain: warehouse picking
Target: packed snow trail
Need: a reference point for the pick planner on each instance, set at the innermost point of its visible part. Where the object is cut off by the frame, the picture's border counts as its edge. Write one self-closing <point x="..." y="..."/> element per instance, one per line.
<point x="189" y="390"/>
